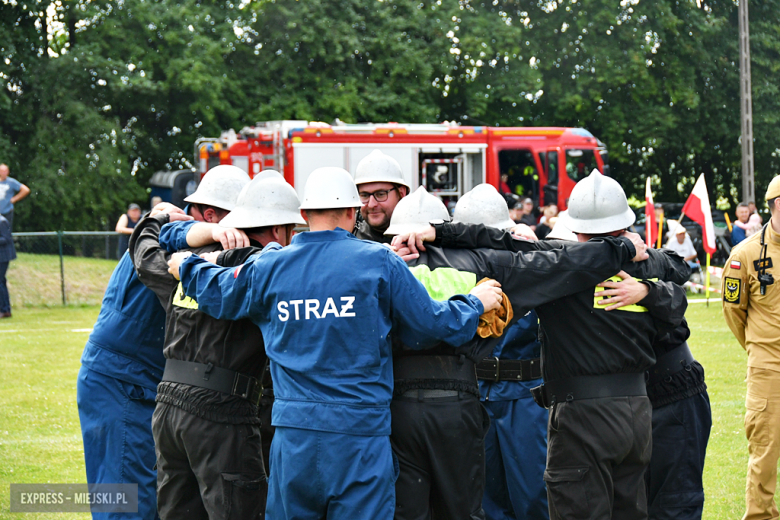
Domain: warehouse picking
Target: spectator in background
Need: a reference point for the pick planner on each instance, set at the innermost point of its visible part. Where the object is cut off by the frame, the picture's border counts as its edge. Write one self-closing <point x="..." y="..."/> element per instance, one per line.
<point x="528" y="218"/>
<point x="155" y="201"/>
<point x="752" y="226"/>
<point x="682" y="245"/>
<point x="547" y="221"/>
<point x="125" y="226"/>
<point x="738" y="232"/>
<point x="503" y="186"/>
<point x="752" y="207"/>
<point x="548" y="212"/>
<point x="11" y="192"/>
<point x="7" y="253"/>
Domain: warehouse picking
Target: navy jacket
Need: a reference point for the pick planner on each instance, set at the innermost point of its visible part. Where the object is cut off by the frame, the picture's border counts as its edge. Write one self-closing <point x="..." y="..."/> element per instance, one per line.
<point x="127" y="340"/>
<point x="7" y="251"/>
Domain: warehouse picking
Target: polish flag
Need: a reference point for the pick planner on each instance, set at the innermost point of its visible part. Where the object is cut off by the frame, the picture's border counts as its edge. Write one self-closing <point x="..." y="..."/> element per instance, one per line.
<point x="651" y="226"/>
<point x="697" y="208"/>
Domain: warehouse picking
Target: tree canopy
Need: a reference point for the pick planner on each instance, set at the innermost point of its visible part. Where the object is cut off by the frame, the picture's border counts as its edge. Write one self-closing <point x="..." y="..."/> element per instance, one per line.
<point x="100" y="95"/>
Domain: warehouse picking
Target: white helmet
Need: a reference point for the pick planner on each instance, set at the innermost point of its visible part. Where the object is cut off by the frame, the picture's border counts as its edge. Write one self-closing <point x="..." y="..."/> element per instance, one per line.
<point x="483" y="205"/>
<point x="268" y="174"/>
<point x="379" y="167"/>
<point x="560" y="231"/>
<point x="416" y="211"/>
<point x="220" y="187"/>
<point x="265" y="202"/>
<point x="598" y="204"/>
<point x="330" y="188"/>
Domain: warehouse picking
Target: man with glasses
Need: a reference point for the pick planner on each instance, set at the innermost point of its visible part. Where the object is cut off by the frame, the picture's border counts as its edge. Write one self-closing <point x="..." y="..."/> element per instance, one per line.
<point x="381" y="184"/>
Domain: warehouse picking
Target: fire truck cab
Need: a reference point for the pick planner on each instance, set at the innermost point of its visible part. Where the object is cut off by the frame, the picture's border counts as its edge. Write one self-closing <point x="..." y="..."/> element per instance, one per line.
<point x="543" y="164"/>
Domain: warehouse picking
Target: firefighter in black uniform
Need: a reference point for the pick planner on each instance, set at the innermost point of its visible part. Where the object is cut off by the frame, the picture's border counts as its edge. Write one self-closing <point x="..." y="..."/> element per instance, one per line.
<point x="678" y="393"/>
<point x="206" y="424"/>
<point x="599" y="431"/>
<point x="682" y="420"/>
<point x="438" y="422"/>
<point x="381" y="185"/>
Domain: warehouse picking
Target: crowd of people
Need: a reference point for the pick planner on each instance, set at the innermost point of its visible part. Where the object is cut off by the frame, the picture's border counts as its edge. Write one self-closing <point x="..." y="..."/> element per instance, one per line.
<point x="392" y="361"/>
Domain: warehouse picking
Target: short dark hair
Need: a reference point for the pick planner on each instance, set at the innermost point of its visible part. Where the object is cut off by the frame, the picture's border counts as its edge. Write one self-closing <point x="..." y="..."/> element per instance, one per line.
<point x="771" y="204"/>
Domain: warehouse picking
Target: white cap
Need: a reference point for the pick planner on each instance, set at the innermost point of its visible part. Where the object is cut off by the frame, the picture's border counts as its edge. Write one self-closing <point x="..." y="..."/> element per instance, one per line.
<point x="330" y="188"/>
<point x="416" y="211"/>
<point x="483" y="205"/>
<point x="379" y="167"/>
<point x="265" y="202"/>
<point x="220" y="187"/>
<point x="598" y="204"/>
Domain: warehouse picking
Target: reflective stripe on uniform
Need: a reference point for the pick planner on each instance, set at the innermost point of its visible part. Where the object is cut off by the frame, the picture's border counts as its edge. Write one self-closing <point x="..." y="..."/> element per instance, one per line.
<point x="180" y="300"/>
<point x="444" y="282"/>
<point x="629" y="308"/>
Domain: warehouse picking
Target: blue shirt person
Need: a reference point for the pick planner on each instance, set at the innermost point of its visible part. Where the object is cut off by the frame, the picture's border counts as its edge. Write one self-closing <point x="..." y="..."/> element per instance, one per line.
<point x="11" y="191"/>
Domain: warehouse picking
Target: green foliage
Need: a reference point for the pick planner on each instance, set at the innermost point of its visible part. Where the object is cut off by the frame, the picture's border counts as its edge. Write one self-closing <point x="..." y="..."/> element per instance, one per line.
<point x="101" y="95"/>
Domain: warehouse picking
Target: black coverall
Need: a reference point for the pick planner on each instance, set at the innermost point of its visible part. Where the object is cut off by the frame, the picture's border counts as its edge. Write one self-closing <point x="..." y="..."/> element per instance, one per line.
<point x="209" y="454"/>
<point x="439" y="440"/>
<point x="365" y="232"/>
<point x="598" y="448"/>
<point x="682" y="420"/>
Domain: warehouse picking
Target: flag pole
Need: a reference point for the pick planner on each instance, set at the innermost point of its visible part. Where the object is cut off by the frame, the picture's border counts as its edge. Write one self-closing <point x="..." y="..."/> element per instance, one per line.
<point x="660" y="231"/>
<point x="708" y="280"/>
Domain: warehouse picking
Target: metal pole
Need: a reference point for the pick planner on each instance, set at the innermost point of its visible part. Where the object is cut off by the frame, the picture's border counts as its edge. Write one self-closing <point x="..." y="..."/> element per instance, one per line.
<point x="62" y="268"/>
<point x="746" y="104"/>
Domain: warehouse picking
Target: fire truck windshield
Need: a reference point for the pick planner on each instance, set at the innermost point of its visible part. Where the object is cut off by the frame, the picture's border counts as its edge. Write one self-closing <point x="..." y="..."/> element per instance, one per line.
<point x="579" y="163"/>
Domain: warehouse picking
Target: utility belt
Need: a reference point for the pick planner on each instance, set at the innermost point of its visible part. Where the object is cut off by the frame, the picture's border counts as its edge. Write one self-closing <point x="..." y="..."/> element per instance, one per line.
<point x="669" y="364"/>
<point x="434" y="376"/>
<point x="589" y="387"/>
<point x="494" y="369"/>
<point x="214" y="378"/>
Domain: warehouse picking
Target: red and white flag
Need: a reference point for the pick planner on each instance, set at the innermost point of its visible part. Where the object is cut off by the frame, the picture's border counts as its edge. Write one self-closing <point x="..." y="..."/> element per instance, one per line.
<point x="697" y="208"/>
<point x="651" y="227"/>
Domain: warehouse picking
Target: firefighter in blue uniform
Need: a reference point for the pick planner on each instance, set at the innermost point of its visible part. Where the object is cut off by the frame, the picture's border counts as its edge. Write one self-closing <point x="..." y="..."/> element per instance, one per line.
<point x="325" y="305"/>
<point x="121" y="366"/>
<point x="514" y="464"/>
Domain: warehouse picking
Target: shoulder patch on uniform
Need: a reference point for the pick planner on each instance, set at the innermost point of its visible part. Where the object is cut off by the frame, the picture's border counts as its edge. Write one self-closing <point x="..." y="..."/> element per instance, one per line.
<point x="733" y="290"/>
<point x="735" y="264"/>
<point x="765" y="263"/>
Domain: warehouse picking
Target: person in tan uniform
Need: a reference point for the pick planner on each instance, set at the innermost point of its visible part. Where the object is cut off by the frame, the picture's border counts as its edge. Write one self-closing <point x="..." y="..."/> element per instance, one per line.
<point x="751" y="306"/>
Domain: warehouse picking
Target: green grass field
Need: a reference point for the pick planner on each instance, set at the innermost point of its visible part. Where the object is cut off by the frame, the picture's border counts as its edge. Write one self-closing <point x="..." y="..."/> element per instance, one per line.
<point x="40" y="439"/>
<point x="34" y="280"/>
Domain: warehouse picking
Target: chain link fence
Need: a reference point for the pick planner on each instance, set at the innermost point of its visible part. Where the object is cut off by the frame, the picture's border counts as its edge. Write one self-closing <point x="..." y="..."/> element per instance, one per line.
<point x="63" y="267"/>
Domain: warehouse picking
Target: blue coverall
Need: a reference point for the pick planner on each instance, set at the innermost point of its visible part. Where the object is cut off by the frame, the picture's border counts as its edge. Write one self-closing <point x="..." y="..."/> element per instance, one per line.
<point x="326" y="305"/>
<point x="516" y="444"/>
<point x="121" y="366"/>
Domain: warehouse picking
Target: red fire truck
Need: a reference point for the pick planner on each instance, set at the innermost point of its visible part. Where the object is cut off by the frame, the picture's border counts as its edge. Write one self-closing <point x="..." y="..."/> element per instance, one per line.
<point x="448" y="159"/>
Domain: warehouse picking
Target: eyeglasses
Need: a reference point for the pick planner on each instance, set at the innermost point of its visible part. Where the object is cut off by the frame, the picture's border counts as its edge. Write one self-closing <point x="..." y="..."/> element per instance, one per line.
<point x="379" y="195"/>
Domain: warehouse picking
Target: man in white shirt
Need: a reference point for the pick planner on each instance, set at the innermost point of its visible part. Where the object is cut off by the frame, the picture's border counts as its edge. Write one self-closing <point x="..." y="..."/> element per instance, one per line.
<point x="683" y="246"/>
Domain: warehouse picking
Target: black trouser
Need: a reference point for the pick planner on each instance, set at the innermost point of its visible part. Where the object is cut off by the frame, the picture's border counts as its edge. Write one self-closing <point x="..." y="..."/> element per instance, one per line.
<point x="439" y="443"/>
<point x="597" y="453"/>
<point x="206" y="469"/>
<point x="681" y="431"/>
<point x="266" y="430"/>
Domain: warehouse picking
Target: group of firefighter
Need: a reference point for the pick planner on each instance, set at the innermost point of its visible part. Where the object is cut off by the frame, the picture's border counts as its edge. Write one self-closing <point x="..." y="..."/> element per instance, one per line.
<point x="392" y="362"/>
